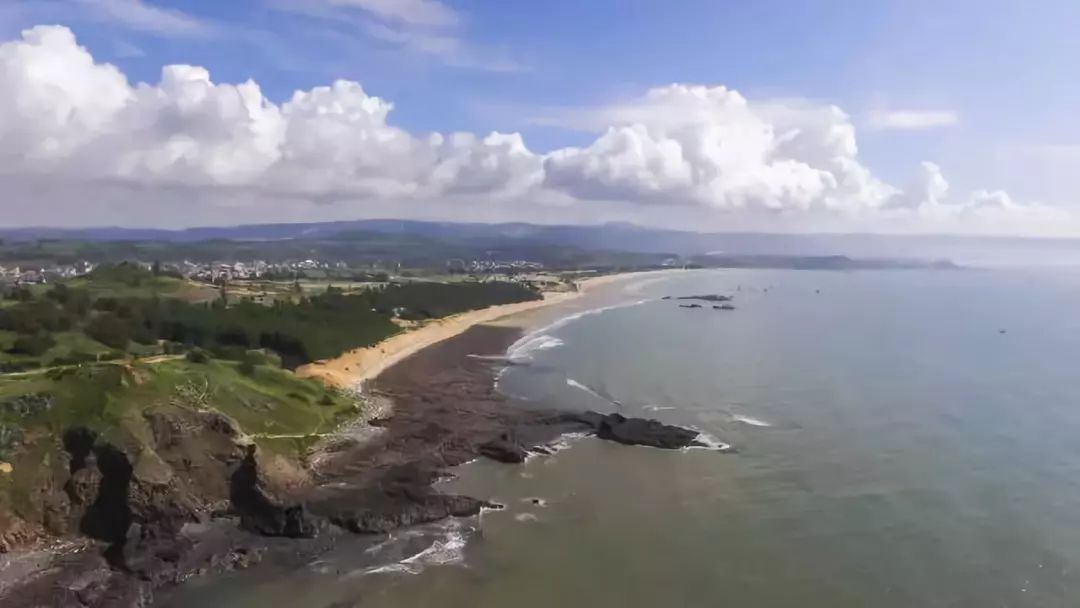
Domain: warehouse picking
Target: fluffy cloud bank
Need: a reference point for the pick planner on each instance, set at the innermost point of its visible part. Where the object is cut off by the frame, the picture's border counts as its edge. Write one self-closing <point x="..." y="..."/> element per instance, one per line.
<point x="710" y="146"/>
<point x="62" y="114"/>
<point x="67" y="119"/>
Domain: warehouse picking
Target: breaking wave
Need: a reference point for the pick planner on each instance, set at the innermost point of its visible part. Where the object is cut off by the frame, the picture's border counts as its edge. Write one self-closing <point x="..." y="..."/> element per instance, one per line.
<point x="749" y="420"/>
<point x="447" y="548"/>
<point x="523" y="349"/>
<point x="565" y="440"/>
<point x="652" y="407"/>
<point x="710" y="443"/>
<point x="595" y="393"/>
<point x="576" y="384"/>
<point x="541" y="339"/>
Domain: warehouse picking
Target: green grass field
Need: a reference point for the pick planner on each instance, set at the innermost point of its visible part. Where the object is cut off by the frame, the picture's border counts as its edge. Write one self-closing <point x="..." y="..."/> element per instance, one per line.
<point x="285" y="415"/>
<point x="111" y="397"/>
<point x="147" y="288"/>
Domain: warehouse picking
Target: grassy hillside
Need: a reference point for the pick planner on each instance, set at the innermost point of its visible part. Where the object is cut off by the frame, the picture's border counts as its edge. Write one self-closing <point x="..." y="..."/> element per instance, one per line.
<point x="165" y="389"/>
<point x="117" y="402"/>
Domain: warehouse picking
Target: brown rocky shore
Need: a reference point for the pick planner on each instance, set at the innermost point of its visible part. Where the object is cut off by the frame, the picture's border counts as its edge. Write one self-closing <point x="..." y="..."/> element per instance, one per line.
<point x="209" y="501"/>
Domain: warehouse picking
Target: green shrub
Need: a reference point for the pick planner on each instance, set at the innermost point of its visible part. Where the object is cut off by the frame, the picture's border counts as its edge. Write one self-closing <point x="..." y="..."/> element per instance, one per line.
<point x="110" y="330"/>
<point x="33" y="345"/>
<point x="246" y="367"/>
<point x="126" y="273"/>
<point x="197" y="355"/>
<point x="144" y="336"/>
<point x="12" y="367"/>
<point x="74" y="359"/>
<point x="230" y="353"/>
<point x="174" y="348"/>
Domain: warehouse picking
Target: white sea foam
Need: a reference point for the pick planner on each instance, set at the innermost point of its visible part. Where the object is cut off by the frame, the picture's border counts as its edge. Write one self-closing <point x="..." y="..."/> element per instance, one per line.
<point x="749" y="420"/>
<point x="578" y="385"/>
<point x="448" y="548"/>
<point x="541" y="339"/>
<point x="710" y="443"/>
<point x="523" y="350"/>
<point x="595" y="393"/>
<point x="523" y="517"/>
<point x="652" y="407"/>
<point x="565" y="441"/>
<point x="562" y="442"/>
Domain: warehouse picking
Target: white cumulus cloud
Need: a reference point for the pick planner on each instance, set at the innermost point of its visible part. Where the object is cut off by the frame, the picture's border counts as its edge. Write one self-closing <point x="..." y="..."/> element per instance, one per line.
<point x="88" y="146"/>
<point x="63" y="114"/>
<point x="709" y="145"/>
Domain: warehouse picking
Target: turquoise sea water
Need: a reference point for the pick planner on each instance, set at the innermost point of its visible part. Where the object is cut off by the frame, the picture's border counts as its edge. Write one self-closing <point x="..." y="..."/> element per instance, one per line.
<point x="904" y="438"/>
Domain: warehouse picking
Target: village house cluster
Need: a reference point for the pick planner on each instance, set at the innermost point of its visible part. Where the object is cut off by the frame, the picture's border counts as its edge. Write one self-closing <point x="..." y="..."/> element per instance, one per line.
<point x="218" y="271"/>
<point x="212" y="272"/>
<point x="26" y="275"/>
<point x="492" y="266"/>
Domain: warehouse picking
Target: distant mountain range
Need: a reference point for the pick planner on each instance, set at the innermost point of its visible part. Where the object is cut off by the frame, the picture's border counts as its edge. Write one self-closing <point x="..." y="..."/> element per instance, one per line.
<point x="610" y="237"/>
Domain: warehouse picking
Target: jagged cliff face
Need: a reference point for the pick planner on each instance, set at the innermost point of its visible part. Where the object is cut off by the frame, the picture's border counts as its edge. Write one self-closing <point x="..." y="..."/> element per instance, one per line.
<point x="134" y="486"/>
<point x="93" y="450"/>
<point x="189" y="466"/>
<point x="132" y="497"/>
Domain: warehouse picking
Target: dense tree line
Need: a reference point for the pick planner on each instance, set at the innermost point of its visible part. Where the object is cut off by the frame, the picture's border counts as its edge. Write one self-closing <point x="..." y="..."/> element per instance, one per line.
<point x="433" y="300"/>
<point x="299" y="331"/>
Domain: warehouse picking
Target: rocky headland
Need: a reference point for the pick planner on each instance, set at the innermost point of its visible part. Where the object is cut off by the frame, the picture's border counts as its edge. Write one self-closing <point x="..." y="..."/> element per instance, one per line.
<point x="196" y="496"/>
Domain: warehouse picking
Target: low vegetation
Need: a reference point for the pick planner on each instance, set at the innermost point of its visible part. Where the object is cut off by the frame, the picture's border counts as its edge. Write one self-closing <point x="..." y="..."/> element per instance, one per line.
<point x="83" y="321"/>
<point x="109" y="354"/>
<point x="284" y="414"/>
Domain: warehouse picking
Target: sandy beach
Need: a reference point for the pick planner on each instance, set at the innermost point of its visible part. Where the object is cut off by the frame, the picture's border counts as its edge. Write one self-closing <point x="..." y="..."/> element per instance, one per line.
<point x="352" y="369"/>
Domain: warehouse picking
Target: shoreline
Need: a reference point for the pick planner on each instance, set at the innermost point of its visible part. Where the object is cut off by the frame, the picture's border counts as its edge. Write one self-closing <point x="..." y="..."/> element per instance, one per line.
<point x="443" y="410"/>
<point x="352" y="370"/>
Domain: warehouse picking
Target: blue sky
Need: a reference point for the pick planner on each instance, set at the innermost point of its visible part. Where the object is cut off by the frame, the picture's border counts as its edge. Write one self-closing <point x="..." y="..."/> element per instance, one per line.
<point x="984" y="90"/>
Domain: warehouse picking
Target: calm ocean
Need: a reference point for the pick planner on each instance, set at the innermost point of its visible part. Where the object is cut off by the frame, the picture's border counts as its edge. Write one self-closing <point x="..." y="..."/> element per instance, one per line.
<point x="904" y="439"/>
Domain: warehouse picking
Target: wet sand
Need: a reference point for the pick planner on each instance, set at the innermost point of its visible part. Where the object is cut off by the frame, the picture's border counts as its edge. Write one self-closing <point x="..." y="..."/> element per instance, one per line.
<point x="356" y="367"/>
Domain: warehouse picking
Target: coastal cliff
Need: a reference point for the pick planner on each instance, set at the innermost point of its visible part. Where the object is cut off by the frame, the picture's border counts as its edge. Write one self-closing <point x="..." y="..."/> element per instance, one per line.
<point x="187" y="490"/>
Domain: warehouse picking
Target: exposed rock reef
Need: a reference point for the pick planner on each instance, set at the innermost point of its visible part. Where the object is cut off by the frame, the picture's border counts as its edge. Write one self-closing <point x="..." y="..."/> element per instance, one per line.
<point x="196" y="496"/>
<point x="709" y="297"/>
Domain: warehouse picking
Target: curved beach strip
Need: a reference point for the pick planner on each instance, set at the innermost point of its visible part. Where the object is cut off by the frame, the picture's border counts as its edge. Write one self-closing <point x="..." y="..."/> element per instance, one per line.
<point x="354" y="368"/>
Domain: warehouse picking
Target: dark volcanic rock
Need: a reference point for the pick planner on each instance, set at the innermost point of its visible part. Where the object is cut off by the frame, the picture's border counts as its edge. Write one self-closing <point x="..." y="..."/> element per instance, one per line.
<point x="709" y="297"/>
<point x="402" y="497"/>
<point x="634" y="431"/>
<point x="638" y="431"/>
<point x="145" y="506"/>
<point x="260" y="512"/>
<point x="388" y="513"/>
<point x="503" y="450"/>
